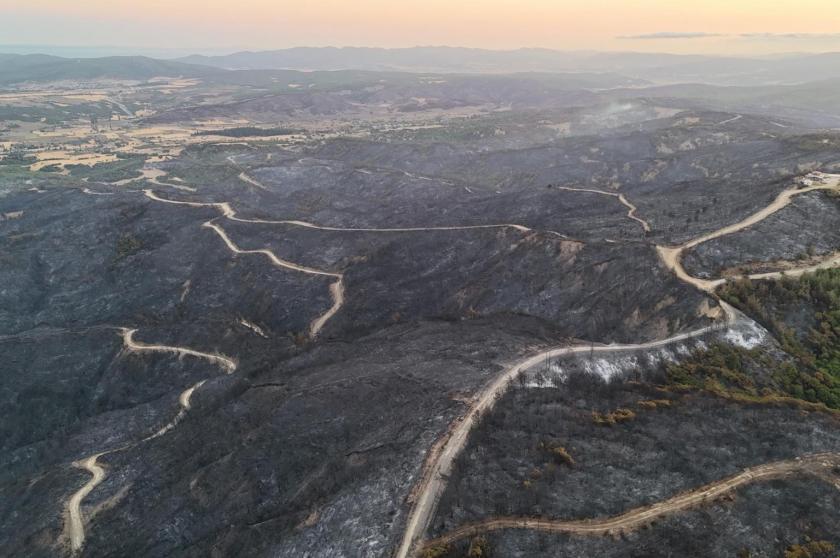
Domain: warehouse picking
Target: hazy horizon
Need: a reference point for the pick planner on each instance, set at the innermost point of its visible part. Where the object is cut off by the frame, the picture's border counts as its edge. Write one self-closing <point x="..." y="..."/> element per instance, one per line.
<point x="99" y="51"/>
<point x="716" y="27"/>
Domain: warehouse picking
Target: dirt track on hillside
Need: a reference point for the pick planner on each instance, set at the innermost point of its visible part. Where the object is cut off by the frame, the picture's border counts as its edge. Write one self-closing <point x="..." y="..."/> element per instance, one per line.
<point x="819" y="465"/>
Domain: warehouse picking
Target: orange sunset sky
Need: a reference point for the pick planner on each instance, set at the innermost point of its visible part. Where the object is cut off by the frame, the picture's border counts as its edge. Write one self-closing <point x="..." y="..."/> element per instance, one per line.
<point x="700" y="26"/>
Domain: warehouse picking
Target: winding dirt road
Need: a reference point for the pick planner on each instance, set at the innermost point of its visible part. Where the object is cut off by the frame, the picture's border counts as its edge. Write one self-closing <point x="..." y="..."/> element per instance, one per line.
<point x="631" y="209"/>
<point x="819" y="465"/>
<point x="672" y="255"/>
<point x="184" y="402"/>
<point x="439" y="462"/>
<point x="226" y="363"/>
<point x="74" y="526"/>
<point x="830" y="262"/>
<point x="229" y="213"/>
<point x="337" y="288"/>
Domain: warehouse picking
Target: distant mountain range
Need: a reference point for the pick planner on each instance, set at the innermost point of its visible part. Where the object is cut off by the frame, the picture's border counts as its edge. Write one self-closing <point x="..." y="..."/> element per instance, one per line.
<point x="20" y="68"/>
<point x="663" y="68"/>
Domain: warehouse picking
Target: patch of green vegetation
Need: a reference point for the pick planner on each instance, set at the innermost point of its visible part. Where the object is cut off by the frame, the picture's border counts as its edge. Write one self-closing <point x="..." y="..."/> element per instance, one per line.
<point x="720" y="367"/>
<point x="733" y="373"/>
<point x="207" y="164"/>
<point x="51" y="115"/>
<point x="467" y="129"/>
<point x="804" y="315"/>
<point x="114" y="171"/>
<point x="815" y="142"/>
<point x="16" y="178"/>
<point x="51" y="168"/>
<point x="17" y="158"/>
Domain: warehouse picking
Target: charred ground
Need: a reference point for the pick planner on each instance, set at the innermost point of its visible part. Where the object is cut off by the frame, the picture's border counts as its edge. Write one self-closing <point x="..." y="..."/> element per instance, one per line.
<point x="316" y="444"/>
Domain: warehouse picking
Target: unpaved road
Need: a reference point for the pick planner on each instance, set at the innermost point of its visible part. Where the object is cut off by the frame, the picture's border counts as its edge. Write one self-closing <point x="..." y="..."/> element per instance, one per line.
<point x="184" y="402"/>
<point x="673" y="259"/>
<point x="243" y="176"/>
<point x="672" y="255"/>
<point x="228" y="364"/>
<point x="832" y="182"/>
<point x="819" y="465"/>
<point x="830" y="262"/>
<point x="439" y="465"/>
<point x="336" y="288"/>
<point x="631" y="209"/>
<point x="229" y="213"/>
<point x="253" y="182"/>
<point x="74" y="526"/>
<point x="278" y="262"/>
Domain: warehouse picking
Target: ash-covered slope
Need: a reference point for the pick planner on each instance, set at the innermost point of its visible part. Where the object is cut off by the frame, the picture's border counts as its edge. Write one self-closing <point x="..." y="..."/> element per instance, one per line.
<point x="303" y="440"/>
<point x="431" y="257"/>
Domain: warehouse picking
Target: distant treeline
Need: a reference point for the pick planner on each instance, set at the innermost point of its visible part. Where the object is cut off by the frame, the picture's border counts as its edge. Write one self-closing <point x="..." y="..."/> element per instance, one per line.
<point x="248" y="131"/>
